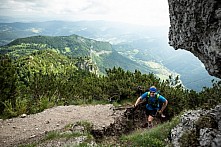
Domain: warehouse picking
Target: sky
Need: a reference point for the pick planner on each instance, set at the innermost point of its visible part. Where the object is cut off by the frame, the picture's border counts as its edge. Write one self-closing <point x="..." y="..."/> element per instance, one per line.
<point x="142" y="12"/>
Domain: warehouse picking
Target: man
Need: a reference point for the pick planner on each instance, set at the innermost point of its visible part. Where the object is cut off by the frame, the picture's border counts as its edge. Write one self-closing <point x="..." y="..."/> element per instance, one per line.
<point x="153" y="104"/>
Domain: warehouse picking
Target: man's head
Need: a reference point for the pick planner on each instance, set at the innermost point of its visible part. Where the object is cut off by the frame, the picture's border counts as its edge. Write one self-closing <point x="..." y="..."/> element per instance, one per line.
<point x="152" y="90"/>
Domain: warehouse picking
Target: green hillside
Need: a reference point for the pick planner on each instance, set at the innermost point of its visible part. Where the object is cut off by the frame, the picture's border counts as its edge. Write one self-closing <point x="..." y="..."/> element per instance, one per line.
<point x="73" y="46"/>
<point x="114" y="59"/>
<point x="45" y="61"/>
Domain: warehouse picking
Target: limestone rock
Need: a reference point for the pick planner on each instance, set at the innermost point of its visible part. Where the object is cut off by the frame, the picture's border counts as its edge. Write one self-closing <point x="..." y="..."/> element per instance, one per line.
<point x="208" y="134"/>
<point x="195" y="25"/>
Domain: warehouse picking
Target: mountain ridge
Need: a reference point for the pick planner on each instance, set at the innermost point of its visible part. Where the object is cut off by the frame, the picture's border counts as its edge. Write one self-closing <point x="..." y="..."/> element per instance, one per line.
<point x="73" y="46"/>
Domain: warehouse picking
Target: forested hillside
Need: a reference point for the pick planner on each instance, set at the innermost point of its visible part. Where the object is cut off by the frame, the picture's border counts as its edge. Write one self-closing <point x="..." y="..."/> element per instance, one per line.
<point x="73" y="45"/>
<point x="100" y="53"/>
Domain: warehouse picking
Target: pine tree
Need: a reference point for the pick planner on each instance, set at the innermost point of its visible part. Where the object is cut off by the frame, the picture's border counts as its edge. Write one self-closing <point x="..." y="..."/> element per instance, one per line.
<point x="8" y="80"/>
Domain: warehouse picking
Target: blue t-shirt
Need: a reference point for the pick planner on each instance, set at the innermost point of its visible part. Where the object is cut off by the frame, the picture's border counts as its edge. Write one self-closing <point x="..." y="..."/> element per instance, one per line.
<point x="151" y="100"/>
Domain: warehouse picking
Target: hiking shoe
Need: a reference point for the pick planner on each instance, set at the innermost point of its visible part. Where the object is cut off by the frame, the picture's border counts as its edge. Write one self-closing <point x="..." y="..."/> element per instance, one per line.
<point x="145" y="125"/>
<point x="150" y="126"/>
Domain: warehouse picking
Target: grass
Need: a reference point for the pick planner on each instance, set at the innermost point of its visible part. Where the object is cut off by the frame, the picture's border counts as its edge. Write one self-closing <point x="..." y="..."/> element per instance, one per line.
<point x="56" y="135"/>
<point x="157" y="136"/>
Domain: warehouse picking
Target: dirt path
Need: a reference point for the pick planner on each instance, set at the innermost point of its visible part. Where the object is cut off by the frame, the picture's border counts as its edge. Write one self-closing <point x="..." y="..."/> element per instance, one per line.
<point x="16" y="130"/>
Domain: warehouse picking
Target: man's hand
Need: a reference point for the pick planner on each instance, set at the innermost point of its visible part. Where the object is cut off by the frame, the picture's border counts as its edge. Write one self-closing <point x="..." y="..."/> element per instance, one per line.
<point x="161" y="113"/>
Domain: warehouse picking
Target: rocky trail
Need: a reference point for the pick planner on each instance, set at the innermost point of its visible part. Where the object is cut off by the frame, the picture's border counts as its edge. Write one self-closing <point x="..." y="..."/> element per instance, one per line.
<point x="19" y="130"/>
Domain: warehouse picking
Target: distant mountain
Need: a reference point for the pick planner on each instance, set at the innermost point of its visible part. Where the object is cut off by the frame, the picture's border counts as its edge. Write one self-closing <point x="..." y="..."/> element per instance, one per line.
<point x="98" y="30"/>
<point x="73" y="45"/>
<point x="100" y="53"/>
<point x="147" y="47"/>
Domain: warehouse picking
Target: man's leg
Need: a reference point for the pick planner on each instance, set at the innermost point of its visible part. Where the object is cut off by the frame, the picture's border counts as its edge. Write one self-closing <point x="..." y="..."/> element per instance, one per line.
<point x="152" y="114"/>
<point x="149" y="120"/>
<point x="146" y="124"/>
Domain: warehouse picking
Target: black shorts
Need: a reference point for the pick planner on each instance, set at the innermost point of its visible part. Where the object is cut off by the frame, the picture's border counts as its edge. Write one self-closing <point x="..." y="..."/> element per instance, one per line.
<point x="151" y="112"/>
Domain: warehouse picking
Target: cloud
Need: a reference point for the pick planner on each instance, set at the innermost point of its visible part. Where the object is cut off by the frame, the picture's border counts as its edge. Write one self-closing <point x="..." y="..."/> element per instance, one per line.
<point x="145" y="12"/>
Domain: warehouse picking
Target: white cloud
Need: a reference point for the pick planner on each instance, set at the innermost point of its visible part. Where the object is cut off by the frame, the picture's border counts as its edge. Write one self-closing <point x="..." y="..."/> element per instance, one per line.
<point x="147" y="12"/>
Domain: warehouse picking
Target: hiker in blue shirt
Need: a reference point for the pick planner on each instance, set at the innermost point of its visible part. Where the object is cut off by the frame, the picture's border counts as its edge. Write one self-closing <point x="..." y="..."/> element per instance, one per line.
<point x="153" y="106"/>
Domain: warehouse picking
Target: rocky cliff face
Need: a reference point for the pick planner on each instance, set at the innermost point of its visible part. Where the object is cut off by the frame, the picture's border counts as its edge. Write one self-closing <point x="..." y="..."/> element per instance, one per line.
<point x="196" y="27"/>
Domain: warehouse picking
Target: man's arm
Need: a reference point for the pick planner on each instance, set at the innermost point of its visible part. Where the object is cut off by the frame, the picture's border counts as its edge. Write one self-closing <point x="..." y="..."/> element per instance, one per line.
<point x="138" y="101"/>
<point x="163" y="107"/>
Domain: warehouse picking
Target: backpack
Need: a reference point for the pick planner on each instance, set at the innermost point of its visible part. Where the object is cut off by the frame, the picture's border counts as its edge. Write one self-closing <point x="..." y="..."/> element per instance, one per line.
<point x="155" y="104"/>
